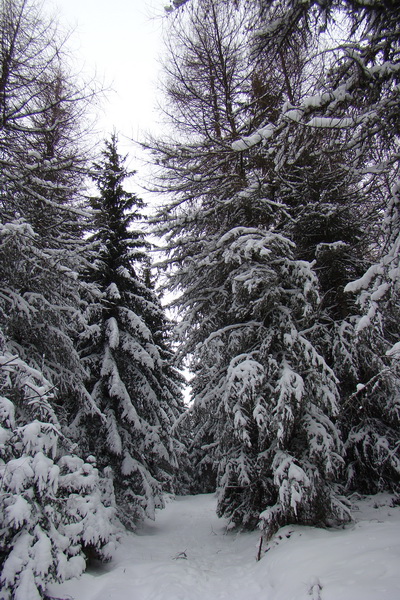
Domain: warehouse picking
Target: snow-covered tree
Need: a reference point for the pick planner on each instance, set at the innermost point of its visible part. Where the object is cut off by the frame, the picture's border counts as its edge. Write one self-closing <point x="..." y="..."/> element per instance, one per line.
<point x="133" y="385"/>
<point x="41" y="213"/>
<point x="50" y="496"/>
<point x="265" y="398"/>
<point x="354" y="108"/>
<point x="356" y="103"/>
<point x="205" y="73"/>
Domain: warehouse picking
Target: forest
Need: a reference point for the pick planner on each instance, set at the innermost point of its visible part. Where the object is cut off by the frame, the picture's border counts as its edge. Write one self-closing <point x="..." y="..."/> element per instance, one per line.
<point x="276" y="220"/>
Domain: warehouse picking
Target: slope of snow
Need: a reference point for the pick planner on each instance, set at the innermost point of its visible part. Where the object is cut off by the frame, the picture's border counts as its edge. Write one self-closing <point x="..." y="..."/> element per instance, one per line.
<point x="186" y="554"/>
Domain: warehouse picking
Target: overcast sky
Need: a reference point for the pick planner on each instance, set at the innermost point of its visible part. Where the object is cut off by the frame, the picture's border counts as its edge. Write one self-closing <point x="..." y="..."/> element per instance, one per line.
<point x="120" y="40"/>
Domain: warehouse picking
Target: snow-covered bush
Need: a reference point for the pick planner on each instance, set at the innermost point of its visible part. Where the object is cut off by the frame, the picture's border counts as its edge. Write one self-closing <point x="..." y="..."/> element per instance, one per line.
<point x="52" y="509"/>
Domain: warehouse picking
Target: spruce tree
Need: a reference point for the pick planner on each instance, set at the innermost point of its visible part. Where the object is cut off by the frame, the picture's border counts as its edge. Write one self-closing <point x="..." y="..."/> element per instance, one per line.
<point x="133" y="385"/>
<point x="269" y="396"/>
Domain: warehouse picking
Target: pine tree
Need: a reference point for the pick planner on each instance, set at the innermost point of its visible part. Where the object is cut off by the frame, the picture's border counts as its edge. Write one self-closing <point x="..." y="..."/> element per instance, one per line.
<point x="133" y="385"/>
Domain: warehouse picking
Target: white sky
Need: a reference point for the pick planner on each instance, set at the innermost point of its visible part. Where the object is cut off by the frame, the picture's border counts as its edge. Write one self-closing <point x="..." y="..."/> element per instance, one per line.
<point x="120" y="41"/>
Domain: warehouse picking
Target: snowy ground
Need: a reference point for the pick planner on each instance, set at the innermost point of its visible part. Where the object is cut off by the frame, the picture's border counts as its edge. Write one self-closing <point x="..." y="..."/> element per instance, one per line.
<point x="187" y="555"/>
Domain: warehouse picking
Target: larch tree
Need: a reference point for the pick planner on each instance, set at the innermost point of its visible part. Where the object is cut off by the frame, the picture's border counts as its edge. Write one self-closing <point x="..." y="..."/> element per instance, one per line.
<point x="50" y="494"/>
<point x="356" y="103"/>
<point x="41" y="209"/>
<point x="133" y="385"/>
<point x="353" y="106"/>
<point x="205" y="74"/>
<point x="265" y="398"/>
